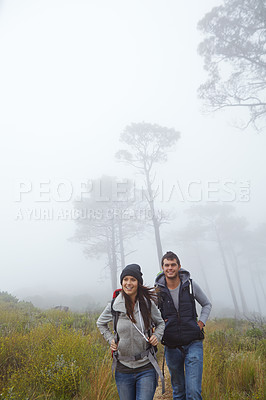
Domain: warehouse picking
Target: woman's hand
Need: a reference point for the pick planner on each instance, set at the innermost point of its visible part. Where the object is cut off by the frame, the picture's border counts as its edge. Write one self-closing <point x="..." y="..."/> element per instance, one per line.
<point x="114" y="345"/>
<point x="153" y="340"/>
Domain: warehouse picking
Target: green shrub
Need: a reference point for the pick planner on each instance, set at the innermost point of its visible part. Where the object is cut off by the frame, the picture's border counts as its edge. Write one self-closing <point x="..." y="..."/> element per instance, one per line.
<point x="49" y="355"/>
<point x="51" y="358"/>
<point x="254" y="333"/>
<point x="234" y="363"/>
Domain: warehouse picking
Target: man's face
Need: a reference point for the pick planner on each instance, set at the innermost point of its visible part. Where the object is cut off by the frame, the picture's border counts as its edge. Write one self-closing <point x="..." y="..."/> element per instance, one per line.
<point x="171" y="268"/>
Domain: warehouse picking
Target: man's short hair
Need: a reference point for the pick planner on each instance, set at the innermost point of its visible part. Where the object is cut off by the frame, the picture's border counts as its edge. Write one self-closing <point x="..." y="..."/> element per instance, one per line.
<point x="169" y="255"/>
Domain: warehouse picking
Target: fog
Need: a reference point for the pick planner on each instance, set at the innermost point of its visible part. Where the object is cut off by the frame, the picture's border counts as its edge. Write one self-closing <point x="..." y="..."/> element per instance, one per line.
<point x="73" y="76"/>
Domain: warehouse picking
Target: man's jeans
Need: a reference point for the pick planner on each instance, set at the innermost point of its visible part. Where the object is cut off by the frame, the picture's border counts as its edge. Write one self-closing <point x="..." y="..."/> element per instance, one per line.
<point x="186" y="386"/>
<point x="140" y="386"/>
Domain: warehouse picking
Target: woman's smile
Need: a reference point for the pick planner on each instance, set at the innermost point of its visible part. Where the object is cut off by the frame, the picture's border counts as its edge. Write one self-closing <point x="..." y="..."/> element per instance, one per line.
<point x="130" y="285"/>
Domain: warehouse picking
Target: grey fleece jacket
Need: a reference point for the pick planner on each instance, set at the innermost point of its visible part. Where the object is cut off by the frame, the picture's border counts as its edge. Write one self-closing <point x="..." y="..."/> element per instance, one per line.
<point x="131" y="342"/>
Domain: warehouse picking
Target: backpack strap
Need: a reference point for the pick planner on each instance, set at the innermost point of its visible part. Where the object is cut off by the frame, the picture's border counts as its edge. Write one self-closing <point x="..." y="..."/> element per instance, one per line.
<point x="115" y="314"/>
<point x="150" y="353"/>
<point x="191" y="292"/>
<point x="153" y="360"/>
<point x="195" y="314"/>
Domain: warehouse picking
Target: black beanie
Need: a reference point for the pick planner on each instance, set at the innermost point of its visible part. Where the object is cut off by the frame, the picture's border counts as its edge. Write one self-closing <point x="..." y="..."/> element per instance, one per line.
<point x="132" y="270"/>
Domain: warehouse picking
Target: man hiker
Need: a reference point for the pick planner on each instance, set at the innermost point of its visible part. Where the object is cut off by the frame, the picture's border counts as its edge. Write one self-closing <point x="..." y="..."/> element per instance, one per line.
<point x="183" y="333"/>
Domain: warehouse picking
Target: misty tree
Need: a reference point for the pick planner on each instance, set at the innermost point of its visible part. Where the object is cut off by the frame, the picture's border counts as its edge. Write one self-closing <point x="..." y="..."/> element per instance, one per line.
<point x="248" y="248"/>
<point x="214" y="215"/>
<point x="234" y="51"/>
<point x="233" y="230"/>
<point x="258" y="241"/>
<point x="105" y="223"/>
<point x="193" y="235"/>
<point x="254" y="254"/>
<point x="147" y="145"/>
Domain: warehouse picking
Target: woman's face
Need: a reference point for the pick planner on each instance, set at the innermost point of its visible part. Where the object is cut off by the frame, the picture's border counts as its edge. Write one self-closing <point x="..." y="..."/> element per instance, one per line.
<point x="130" y="286"/>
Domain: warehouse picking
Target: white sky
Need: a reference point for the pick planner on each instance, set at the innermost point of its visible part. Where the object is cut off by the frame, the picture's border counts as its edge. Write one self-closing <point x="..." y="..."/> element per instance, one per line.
<point x="73" y="74"/>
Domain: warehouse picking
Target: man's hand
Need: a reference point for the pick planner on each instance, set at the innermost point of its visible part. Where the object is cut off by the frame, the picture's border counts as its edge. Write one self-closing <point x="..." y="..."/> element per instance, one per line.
<point x="153" y="340"/>
<point x="113" y="346"/>
<point x="201" y="325"/>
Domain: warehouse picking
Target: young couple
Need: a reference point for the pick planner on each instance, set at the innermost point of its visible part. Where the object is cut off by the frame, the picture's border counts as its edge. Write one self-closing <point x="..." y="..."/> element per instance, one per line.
<point x="174" y="324"/>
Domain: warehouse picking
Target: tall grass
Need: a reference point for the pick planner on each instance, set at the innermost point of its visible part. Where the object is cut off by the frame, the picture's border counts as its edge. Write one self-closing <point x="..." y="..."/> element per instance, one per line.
<point x="52" y="355"/>
<point x="56" y="355"/>
<point x="101" y="383"/>
<point x="234" y="361"/>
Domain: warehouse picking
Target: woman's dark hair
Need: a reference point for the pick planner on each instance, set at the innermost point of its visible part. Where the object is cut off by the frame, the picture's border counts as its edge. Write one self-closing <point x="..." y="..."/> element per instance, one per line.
<point x="144" y="296"/>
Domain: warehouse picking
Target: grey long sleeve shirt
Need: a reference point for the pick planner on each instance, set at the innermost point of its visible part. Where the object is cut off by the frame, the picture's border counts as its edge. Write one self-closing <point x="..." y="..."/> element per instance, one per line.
<point x="200" y="297"/>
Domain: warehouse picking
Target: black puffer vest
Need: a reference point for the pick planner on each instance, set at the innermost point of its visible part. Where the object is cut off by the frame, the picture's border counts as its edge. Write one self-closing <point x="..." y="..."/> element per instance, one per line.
<point x="181" y="326"/>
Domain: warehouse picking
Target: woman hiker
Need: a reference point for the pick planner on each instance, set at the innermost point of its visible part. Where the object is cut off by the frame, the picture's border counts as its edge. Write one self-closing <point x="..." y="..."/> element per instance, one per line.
<point x="133" y="313"/>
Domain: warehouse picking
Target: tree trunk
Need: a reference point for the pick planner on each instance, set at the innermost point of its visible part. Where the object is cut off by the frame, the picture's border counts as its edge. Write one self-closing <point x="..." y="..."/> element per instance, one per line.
<point x="260" y="281"/>
<point x="114" y="258"/>
<point x="158" y="241"/>
<point x="242" y="297"/>
<point x="237" y="312"/>
<point x="203" y="272"/>
<point x="110" y="260"/>
<point x="155" y="221"/>
<point x="255" y="291"/>
<point x="121" y="244"/>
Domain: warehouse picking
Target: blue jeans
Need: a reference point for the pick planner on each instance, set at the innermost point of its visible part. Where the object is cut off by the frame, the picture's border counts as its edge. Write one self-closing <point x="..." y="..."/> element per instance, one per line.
<point x="186" y="385"/>
<point x="140" y="386"/>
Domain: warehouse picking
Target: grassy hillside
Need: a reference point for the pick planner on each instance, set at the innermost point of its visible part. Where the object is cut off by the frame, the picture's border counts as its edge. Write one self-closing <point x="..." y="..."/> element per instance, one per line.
<point x="56" y="355"/>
